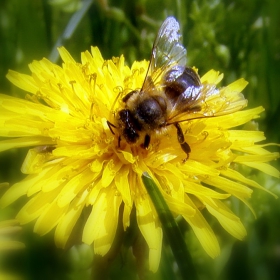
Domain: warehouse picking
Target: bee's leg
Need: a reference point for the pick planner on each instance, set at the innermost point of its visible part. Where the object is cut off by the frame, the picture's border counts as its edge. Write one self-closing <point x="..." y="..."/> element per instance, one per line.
<point x="146" y="143"/>
<point x="181" y="139"/>
<point x="110" y="125"/>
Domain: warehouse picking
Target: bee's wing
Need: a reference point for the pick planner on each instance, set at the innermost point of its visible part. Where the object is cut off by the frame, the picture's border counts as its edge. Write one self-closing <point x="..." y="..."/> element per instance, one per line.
<point x="167" y="51"/>
<point x="205" y="101"/>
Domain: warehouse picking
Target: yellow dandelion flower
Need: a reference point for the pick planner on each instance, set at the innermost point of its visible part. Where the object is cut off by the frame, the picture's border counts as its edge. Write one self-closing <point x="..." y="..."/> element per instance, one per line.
<point x="77" y="162"/>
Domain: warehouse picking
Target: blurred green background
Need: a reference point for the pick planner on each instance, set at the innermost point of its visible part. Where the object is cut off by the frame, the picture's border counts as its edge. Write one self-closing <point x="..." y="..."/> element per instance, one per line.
<point x="239" y="38"/>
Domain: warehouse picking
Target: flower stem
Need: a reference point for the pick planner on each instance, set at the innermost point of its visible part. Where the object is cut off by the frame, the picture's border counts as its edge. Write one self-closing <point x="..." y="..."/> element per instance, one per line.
<point x="171" y="230"/>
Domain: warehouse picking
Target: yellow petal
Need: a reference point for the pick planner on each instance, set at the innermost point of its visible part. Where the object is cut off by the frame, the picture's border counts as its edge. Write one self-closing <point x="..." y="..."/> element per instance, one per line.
<point x="227" y="219"/>
<point x="203" y="231"/>
<point x="151" y="232"/>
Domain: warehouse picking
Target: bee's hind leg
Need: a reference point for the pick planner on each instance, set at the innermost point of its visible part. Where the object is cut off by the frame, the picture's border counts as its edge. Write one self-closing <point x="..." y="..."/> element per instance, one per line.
<point x="181" y="139"/>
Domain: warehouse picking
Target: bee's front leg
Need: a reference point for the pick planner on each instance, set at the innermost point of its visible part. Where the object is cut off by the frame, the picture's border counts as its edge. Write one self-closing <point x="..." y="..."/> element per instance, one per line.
<point x="181" y="139"/>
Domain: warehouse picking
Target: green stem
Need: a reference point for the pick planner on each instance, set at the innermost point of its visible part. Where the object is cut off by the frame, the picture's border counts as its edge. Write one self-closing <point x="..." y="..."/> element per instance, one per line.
<point x="171" y="230"/>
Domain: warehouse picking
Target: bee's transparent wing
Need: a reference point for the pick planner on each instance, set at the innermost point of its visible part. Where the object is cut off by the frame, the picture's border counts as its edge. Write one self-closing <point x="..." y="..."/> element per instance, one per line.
<point x="167" y="51"/>
<point x="206" y="101"/>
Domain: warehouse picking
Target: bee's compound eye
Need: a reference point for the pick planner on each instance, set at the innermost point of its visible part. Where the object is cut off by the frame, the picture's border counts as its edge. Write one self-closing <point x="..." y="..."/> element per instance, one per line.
<point x="129" y="126"/>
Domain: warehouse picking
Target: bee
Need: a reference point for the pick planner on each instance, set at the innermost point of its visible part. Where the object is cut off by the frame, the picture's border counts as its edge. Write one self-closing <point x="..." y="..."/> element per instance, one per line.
<point x="171" y="93"/>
